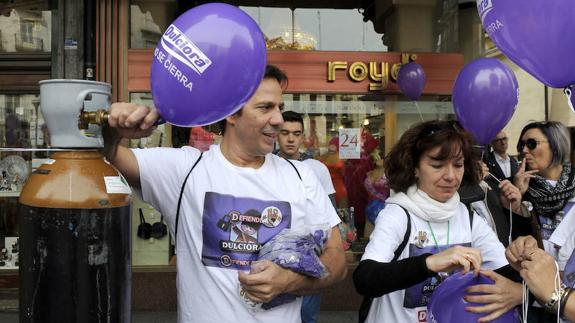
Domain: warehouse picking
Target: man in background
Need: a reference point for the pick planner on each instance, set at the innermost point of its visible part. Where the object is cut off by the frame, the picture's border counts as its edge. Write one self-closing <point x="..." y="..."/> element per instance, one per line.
<point x="500" y="164"/>
<point x="290" y="139"/>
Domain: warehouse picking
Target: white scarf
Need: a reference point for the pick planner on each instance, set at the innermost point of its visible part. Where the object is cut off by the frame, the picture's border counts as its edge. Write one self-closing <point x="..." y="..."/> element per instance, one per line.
<point x="420" y="204"/>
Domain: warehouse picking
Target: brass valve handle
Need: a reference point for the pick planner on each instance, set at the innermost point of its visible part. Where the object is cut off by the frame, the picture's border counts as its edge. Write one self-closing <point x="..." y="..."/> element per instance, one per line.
<point x="98" y="117"/>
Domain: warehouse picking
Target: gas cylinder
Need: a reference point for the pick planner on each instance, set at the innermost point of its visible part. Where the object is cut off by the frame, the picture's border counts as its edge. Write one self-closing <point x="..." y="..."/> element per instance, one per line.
<point x="74" y="221"/>
<point x="75" y="242"/>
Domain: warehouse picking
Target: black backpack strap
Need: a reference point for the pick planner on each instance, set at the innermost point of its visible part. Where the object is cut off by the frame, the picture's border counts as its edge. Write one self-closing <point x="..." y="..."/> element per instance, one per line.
<point x="405" y="240"/>
<point x="180" y="199"/>
<point x="470" y="210"/>
<point x="292" y="165"/>
<point x="366" y="303"/>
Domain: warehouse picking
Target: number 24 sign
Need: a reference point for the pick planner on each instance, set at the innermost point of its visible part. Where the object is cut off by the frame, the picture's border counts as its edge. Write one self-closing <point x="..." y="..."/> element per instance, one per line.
<point x="349" y="143"/>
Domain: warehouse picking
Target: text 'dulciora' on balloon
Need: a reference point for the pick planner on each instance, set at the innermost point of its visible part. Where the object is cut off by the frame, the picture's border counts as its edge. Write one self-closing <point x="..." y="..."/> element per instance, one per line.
<point x="207" y="64"/>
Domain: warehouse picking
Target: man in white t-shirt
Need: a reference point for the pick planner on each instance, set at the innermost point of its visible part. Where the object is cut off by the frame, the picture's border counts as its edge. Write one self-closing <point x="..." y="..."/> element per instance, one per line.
<point x="237" y="196"/>
<point x="290" y="139"/>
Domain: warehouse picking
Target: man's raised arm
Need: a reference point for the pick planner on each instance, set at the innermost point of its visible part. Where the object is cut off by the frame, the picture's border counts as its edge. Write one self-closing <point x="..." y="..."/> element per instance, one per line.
<point x="130" y="121"/>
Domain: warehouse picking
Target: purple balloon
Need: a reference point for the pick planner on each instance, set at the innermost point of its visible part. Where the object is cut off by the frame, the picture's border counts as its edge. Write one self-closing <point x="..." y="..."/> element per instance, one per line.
<point x="207" y="64"/>
<point x="411" y="80"/>
<point x="485" y="95"/>
<point x="448" y="305"/>
<point x="535" y="34"/>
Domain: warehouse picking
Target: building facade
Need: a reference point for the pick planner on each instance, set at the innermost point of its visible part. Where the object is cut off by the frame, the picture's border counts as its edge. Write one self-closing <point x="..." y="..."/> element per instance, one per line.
<point x="342" y="58"/>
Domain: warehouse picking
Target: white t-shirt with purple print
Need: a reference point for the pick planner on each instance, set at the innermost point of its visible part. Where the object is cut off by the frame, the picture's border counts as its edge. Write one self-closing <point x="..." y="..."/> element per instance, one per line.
<point x="227" y="213"/>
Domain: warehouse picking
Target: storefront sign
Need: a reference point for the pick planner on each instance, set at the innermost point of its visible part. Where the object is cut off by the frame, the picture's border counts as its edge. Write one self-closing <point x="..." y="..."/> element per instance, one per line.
<point x="379" y="73"/>
<point x="335" y="72"/>
<point x="349" y="143"/>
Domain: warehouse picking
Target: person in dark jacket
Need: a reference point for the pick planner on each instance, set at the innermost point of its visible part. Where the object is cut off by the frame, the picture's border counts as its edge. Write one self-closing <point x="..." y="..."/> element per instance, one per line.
<point x="500" y="164"/>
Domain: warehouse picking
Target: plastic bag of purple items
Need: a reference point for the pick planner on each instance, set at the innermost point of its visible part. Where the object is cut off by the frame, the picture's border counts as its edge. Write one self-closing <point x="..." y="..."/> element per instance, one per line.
<point x="296" y="250"/>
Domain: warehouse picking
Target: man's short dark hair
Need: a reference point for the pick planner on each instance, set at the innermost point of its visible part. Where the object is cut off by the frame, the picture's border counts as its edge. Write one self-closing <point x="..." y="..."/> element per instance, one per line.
<point x="292" y="116"/>
<point x="271" y="71"/>
<point x="274" y="72"/>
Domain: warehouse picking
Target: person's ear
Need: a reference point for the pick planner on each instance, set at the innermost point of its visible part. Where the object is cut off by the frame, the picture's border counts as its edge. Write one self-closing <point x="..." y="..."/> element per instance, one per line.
<point x="231" y="120"/>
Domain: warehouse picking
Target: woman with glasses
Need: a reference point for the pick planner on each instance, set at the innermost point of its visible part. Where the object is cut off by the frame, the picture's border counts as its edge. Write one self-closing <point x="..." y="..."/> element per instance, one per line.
<point x="546" y="180"/>
<point x="425" y="233"/>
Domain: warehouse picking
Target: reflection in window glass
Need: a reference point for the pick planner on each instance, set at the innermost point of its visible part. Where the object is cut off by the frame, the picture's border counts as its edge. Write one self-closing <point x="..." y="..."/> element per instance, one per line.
<point x="355" y="125"/>
<point x="316" y="29"/>
<point x="427" y="108"/>
<point x="148" y="20"/>
<point x="324" y="115"/>
<point x="446" y="31"/>
<point x="24" y="30"/>
<point x="21" y="121"/>
<point x="21" y="126"/>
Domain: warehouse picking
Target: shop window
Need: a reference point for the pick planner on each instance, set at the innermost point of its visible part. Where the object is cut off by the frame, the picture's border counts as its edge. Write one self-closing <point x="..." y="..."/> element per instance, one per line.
<point x="446" y="29"/>
<point x="284" y="28"/>
<point x="316" y="29"/>
<point x="21" y="125"/>
<point x="148" y="251"/>
<point x="348" y="134"/>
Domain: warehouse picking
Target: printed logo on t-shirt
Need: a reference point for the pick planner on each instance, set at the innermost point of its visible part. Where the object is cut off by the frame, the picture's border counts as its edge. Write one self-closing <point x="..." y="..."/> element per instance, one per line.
<point x="421" y="239"/>
<point x="418" y="295"/>
<point x="422" y="316"/>
<point x="235" y="228"/>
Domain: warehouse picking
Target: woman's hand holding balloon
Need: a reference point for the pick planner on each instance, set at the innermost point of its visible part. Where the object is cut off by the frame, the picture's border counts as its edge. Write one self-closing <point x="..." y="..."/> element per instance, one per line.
<point x="131" y="120"/>
<point x="498" y="298"/>
<point x="453" y="258"/>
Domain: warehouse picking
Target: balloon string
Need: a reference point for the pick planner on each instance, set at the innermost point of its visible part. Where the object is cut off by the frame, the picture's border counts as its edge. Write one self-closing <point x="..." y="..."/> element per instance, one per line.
<point x="510" y="223"/>
<point x="525" y="303"/>
<point x="418" y="110"/>
<point x="558" y="291"/>
<point x="568" y="94"/>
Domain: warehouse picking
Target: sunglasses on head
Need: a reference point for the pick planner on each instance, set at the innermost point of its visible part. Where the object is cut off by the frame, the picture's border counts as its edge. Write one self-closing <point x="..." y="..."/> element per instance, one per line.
<point x="529" y="143"/>
<point x="434" y="128"/>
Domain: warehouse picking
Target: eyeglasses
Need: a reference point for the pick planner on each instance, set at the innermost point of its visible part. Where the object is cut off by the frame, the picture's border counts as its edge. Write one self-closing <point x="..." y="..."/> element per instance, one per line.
<point x="501" y="140"/>
<point x="530" y="143"/>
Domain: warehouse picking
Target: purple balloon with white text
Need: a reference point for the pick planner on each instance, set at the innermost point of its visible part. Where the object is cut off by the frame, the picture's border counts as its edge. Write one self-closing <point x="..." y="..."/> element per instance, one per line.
<point x="537" y="35"/>
<point x="447" y="304"/>
<point x="208" y="63"/>
<point x="485" y="95"/>
<point x="411" y="80"/>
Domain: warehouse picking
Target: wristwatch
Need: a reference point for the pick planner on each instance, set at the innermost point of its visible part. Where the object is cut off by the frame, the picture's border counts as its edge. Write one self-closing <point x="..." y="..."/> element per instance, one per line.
<point x="551" y="305"/>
